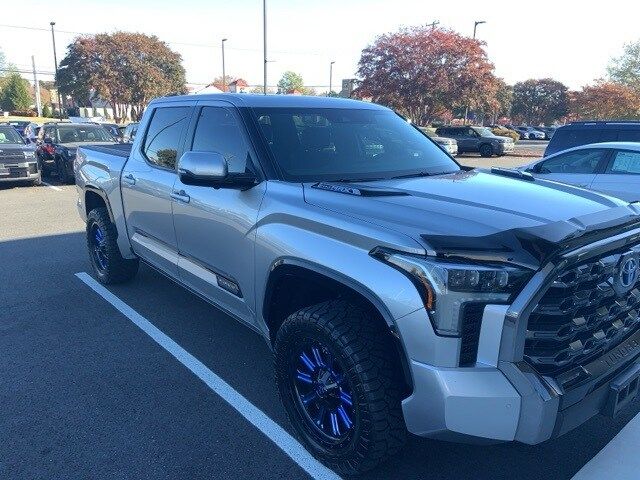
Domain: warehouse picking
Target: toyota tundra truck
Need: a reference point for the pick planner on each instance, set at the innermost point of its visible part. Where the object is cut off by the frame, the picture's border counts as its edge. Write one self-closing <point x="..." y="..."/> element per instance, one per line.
<point x="398" y="291"/>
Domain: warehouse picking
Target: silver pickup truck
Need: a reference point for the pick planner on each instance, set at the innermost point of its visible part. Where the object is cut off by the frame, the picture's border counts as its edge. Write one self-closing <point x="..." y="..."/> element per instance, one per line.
<point x="398" y="291"/>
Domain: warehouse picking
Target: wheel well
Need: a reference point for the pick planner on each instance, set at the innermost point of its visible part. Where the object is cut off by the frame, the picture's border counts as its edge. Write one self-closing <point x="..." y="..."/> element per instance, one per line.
<point x="291" y="288"/>
<point x="93" y="200"/>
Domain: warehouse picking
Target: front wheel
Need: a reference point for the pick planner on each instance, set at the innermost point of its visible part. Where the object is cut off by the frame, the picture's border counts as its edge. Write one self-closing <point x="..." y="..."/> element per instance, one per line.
<point x="486" y="150"/>
<point x="108" y="264"/>
<point x="340" y="385"/>
<point x="63" y="172"/>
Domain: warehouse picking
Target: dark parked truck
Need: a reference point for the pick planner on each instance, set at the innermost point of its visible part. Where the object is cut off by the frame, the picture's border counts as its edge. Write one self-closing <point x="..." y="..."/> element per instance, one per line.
<point x="18" y="161"/>
<point x="398" y="291"/>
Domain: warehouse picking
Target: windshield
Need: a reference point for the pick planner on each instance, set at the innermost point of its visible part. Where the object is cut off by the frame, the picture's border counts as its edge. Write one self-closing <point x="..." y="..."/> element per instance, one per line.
<point x="312" y="144"/>
<point x="83" y="134"/>
<point x="483" y="131"/>
<point x="9" y="135"/>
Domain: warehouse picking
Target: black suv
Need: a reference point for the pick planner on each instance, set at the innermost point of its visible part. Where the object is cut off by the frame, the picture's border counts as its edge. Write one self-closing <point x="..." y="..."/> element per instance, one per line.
<point x="60" y="142"/>
<point x="582" y="133"/>
<point x="477" y="139"/>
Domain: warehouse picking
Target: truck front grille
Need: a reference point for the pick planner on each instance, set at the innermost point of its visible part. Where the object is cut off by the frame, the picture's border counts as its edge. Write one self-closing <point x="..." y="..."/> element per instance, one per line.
<point x="581" y="317"/>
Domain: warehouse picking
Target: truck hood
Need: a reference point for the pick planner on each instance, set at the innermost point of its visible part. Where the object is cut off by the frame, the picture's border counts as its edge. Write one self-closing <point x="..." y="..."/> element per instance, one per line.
<point x="479" y="214"/>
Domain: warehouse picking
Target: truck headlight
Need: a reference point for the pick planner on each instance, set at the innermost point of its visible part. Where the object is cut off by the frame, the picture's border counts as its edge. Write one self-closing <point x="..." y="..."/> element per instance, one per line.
<point x="446" y="285"/>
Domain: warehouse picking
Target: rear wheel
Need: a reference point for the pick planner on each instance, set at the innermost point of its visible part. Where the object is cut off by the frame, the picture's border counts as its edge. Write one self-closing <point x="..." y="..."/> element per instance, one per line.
<point x="340" y="385"/>
<point x="108" y="264"/>
<point x="486" y="150"/>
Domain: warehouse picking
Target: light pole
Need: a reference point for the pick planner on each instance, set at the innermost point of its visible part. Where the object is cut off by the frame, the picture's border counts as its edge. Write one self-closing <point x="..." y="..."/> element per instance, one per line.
<point x="475" y="26"/>
<point x="55" y="61"/>
<point x="264" y="40"/>
<point x="331" y="77"/>
<point x="224" y="75"/>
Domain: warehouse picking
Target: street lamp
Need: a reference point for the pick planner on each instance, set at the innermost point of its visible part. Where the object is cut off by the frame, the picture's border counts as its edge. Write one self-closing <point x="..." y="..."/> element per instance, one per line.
<point x="224" y="76"/>
<point x="475" y="26"/>
<point x="331" y="77"/>
<point x="55" y="62"/>
<point x="264" y="41"/>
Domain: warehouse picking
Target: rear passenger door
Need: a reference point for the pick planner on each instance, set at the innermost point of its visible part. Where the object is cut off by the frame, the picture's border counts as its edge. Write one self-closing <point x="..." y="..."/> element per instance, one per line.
<point x="147" y="184"/>
<point x="215" y="226"/>
<point x="621" y="177"/>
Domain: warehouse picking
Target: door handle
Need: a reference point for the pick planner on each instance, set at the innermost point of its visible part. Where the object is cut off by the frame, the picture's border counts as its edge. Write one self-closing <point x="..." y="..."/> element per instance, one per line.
<point x="129" y="178"/>
<point x="180" y="196"/>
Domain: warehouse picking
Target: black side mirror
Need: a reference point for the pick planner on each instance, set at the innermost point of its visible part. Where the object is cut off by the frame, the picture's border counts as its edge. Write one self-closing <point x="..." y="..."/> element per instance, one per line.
<point x="47" y="140"/>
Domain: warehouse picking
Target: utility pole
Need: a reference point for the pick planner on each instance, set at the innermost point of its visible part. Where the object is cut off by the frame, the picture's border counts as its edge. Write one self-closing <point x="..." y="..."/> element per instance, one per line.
<point x="331" y="77"/>
<point x="36" y="86"/>
<point x="433" y="24"/>
<point x="55" y="78"/>
<point x="264" y="30"/>
<point x="224" y="75"/>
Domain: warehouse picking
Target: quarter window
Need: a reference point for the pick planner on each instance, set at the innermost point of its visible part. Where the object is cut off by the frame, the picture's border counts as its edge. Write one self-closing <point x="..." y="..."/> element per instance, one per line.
<point x="162" y="141"/>
<point x="625" y="162"/>
<point x="219" y="131"/>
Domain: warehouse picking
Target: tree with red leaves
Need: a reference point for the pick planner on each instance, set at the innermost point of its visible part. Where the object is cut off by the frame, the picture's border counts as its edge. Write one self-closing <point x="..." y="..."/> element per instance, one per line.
<point x="606" y="101"/>
<point x="426" y="72"/>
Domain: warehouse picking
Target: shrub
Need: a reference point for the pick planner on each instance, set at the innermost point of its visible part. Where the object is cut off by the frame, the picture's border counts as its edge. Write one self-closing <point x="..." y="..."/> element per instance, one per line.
<point x="505" y="132"/>
<point x="23" y="113"/>
<point x="47" y="112"/>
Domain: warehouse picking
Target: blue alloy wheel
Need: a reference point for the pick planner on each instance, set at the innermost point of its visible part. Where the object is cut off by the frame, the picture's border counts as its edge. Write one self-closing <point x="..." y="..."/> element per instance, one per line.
<point x="323" y="394"/>
<point x="99" y="247"/>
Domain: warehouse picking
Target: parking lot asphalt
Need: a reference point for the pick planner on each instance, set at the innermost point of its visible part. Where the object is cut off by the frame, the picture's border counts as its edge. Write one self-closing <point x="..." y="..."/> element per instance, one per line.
<point x="85" y="393"/>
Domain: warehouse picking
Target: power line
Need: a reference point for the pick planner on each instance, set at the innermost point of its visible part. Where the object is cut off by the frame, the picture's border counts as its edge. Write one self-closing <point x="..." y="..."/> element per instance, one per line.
<point x="188" y="44"/>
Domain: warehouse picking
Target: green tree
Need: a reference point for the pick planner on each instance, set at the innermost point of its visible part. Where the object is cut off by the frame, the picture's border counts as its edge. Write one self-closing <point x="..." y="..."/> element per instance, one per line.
<point x="15" y="93"/>
<point x="126" y="69"/>
<point x="625" y="69"/>
<point x="290" y="82"/>
<point x="538" y="101"/>
<point x="46" y="111"/>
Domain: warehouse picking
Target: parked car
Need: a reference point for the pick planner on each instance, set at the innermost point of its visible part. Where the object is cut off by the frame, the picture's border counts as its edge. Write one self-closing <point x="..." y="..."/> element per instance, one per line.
<point x="129" y="132"/>
<point x="612" y="168"/>
<point x="60" y="141"/>
<point x="112" y="128"/>
<point x="477" y="139"/>
<point x="548" y="131"/>
<point x="583" y="133"/>
<point x="17" y="159"/>
<point x="397" y="291"/>
<point x="449" y="144"/>
<point x="530" y="133"/>
<point x="31" y="132"/>
<point x="19" y="125"/>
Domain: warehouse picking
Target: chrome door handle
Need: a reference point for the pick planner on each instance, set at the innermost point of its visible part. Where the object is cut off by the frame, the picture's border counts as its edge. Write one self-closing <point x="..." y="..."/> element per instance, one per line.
<point x="129" y="178"/>
<point x="180" y="196"/>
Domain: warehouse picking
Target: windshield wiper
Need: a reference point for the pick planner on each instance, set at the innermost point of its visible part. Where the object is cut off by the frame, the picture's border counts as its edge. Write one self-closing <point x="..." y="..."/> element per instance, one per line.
<point x="353" y="180"/>
<point x="409" y="175"/>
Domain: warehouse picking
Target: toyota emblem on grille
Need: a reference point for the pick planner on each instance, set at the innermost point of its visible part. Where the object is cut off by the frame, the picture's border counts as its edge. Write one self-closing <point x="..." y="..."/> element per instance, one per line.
<point x="627" y="273"/>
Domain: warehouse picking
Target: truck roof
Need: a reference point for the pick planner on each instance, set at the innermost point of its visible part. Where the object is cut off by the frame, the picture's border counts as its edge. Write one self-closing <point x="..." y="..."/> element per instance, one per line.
<point x="259" y="100"/>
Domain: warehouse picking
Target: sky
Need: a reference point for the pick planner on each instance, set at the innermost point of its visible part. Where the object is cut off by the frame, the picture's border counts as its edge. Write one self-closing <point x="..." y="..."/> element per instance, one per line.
<point x="569" y="40"/>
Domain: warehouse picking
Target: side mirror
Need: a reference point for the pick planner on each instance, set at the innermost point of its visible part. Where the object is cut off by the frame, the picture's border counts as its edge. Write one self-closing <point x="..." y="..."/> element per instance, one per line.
<point x="48" y="140"/>
<point x="210" y="169"/>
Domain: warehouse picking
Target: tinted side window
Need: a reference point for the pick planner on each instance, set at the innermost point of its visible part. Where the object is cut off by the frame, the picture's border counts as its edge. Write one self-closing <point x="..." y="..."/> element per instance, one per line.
<point x="581" y="161"/>
<point x="625" y="162"/>
<point x="219" y="131"/>
<point x="574" y="138"/>
<point x="164" y="135"/>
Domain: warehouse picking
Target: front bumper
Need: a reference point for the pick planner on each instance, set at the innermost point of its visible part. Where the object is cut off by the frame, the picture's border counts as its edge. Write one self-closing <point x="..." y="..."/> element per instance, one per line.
<point x="19" y="172"/>
<point x="502" y="401"/>
<point x="506" y="147"/>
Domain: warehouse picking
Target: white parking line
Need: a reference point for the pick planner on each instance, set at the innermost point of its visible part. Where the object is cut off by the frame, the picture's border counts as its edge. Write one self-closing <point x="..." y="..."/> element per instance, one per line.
<point x="619" y="459"/>
<point x="253" y="414"/>
<point x="58" y="189"/>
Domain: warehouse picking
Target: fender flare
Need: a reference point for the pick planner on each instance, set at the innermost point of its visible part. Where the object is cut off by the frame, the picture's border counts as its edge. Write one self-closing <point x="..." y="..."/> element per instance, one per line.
<point x="101" y="194"/>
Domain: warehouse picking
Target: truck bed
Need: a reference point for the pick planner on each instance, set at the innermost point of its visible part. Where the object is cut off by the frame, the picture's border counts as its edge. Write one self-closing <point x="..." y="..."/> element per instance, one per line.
<point x="117" y="149"/>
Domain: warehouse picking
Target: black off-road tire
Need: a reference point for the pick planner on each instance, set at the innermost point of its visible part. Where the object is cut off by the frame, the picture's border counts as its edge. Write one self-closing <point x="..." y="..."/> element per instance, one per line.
<point x="486" y="150"/>
<point x="363" y="349"/>
<point x="117" y="269"/>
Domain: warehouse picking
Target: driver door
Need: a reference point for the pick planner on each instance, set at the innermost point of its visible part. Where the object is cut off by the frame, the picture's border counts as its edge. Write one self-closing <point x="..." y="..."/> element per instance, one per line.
<point x="578" y="167"/>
